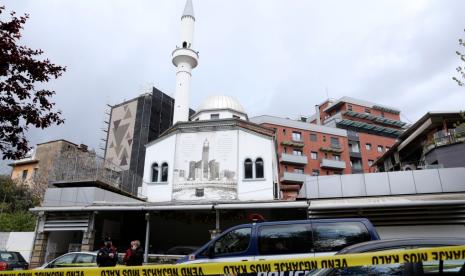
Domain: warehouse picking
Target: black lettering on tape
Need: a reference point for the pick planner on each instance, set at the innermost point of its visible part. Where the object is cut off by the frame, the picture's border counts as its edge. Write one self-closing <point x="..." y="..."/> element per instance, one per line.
<point x="260" y="268"/>
<point x="192" y="271"/>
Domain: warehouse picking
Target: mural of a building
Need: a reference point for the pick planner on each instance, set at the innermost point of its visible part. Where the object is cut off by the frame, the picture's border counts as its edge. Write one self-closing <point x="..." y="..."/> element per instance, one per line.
<point x="206" y="166"/>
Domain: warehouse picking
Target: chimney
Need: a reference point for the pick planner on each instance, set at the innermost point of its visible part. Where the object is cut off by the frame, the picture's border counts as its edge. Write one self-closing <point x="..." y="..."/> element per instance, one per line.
<point x="317" y="112"/>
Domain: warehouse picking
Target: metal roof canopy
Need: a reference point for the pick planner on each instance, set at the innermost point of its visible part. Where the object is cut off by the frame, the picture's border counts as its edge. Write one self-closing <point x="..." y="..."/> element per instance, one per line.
<point x="145" y="207"/>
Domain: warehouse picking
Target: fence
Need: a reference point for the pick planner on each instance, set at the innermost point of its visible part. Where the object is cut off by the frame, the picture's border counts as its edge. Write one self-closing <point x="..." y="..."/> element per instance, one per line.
<point x="86" y="168"/>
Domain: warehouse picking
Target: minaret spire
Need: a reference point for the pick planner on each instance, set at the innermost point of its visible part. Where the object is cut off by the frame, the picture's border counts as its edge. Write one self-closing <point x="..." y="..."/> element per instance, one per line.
<point x="185" y="58"/>
<point x="189" y="9"/>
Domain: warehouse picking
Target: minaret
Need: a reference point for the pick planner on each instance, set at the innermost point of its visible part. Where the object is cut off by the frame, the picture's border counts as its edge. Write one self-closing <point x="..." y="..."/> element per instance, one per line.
<point x="185" y="58"/>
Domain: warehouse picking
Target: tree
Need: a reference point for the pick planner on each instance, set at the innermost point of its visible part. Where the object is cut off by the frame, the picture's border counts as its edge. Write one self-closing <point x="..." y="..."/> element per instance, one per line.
<point x="15" y="201"/>
<point x="461" y="70"/>
<point x="21" y="104"/>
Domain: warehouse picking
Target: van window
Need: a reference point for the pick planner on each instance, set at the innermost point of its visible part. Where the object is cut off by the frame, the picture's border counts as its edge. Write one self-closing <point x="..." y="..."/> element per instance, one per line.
<point x="285" y="239"/>
<point x="233" y="242"/>
<point x="333" y="236"/>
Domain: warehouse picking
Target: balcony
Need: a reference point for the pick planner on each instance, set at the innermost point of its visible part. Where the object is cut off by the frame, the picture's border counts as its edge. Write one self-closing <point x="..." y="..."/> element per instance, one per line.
<point x="293" y="159"/>
<point x="291" y="177"/>
<point x="332" y="164"/>
<point x="355" y="154"/>
<point x="298" y="144"/>
<point x="454" y="136"/>
<point x="332" y="149"/>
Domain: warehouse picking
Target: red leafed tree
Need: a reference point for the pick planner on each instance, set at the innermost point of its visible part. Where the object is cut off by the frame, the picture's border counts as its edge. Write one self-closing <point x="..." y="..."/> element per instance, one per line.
<point x="21" y="104"/>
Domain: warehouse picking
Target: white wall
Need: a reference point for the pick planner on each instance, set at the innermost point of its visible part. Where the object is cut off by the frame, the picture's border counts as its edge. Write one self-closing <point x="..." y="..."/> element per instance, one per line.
<point x="162" y="151"/>
<point x="249" y="145"/>
<point x="224" y="114"/>
<point x="253" y="146"/>
<point x="421" y="231"/>
<point x="21" y="242"/>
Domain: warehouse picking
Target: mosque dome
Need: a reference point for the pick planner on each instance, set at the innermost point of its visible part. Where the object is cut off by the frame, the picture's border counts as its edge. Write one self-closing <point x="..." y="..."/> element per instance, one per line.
<point x="221" y="102"/>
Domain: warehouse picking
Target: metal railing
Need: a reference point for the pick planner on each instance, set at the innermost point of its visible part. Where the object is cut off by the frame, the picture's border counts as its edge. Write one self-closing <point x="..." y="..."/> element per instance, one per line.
<point x="88" y="167"/>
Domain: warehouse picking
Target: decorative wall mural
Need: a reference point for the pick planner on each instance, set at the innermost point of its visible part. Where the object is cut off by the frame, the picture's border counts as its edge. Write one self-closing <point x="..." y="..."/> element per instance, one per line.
<point x="120" y="134"/>
<point x="205" y="166"/>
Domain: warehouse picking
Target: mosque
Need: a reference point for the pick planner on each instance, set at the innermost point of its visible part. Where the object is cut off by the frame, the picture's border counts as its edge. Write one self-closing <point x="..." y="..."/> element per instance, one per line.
<point x="216" y="154"/>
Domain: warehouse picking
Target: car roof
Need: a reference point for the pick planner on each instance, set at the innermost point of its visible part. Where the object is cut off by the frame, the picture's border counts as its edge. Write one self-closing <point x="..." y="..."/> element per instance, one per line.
<point x="392" y="243"/>
<point x="364" y="220"/>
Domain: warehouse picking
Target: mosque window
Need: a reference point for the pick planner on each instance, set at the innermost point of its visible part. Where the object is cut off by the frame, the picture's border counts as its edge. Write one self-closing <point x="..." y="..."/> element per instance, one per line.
<point x="154" y="172"/>
<point x="164" y="172"/>
<point x="214" y="116"/>
<point x="248" y="169"/>
<point x="184" y="44"/>
<point x="259" y="168"/>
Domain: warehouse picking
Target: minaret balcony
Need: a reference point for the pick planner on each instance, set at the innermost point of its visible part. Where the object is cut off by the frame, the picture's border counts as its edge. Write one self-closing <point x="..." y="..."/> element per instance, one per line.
<point x="185" y="55"/>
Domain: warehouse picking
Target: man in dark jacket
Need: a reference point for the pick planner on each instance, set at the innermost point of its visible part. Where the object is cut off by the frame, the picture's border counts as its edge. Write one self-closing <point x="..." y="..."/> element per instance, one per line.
<point x="107" y="255"/>
<point x="135" y="254"/>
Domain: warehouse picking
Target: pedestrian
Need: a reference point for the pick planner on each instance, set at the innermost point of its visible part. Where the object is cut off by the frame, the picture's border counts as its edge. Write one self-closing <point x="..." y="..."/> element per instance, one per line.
<point x="107" y="255"/>
<point x="134" y="255"/>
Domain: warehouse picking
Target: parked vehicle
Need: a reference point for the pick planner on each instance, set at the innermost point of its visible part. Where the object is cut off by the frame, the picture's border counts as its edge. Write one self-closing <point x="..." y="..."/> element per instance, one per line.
<point x="181" y="250"/>
<point x="294" y="239"/>
<point x="447" y="267"/>
<point x="10" y="260"/>
<point x="73" y="259"/>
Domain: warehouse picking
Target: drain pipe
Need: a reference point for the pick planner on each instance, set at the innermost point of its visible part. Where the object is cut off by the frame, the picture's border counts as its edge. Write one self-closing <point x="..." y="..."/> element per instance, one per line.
<point x="147" y="237"/>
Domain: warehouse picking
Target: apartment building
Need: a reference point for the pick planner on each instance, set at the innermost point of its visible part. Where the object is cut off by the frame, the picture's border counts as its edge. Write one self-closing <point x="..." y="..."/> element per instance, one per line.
<point x="372" y="128"/>
<point x="306" y="149"/>
<point x="38" y="168"/>
<point x="436" y="140"/>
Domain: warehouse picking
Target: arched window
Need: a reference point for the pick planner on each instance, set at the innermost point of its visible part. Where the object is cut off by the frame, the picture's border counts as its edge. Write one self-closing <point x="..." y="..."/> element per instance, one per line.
<point x="248" y="169"/>
<point x="164" y="172"/>
<point x="154" y="172"/>
<point x="259" y="168"/>
<point x="184" y="44"/>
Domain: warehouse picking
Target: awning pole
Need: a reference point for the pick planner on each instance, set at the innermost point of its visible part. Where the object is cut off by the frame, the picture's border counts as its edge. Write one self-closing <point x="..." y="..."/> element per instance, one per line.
<point x="217" y="225"/>
<point x="147" y="238"/>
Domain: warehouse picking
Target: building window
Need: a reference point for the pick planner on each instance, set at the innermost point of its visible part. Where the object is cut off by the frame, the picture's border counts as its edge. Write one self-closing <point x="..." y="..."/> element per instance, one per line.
<point x="259" y="168"/>
<point x="313" y="137"/>
<point x="214" y="116"/>
<point x="285" y="150"/>
<point x="315" y="172"/>
<point x="314" y="155"/>
<point x="164" y="172"/>
<point x="367" y="111"/>
<point x="296" y="136"/>
<point x="284" y="131"/>
<point x="337" y="157"/>
<point x="335" y="143"/>
<point x="237" y="117"/>
<point x="324" y="138"/>
<point x="388" y="148"/>
<point x="285" y="168"/>
<point x="299" y="170"/>
<point x="380" y="148"/>
<point x="155" y="172"/>
<point x="370" y="162"/>
<point x="24" y="176"/>
<point x="248" y="169"/>
<point x="349" y="107"/>
<point x="34" y="173"/>
<point x="382" y="114"/>
<point x="297" y="152"/>
<point x="368" y="146"/>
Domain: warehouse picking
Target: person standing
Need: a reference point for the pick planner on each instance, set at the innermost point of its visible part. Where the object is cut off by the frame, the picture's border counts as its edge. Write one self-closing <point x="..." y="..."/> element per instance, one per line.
<point x="134" y="255"/>
<point x="107" y="255"/>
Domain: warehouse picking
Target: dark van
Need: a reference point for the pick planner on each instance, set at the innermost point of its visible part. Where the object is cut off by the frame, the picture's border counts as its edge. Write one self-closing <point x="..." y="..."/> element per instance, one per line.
<point x="272" y="240"/>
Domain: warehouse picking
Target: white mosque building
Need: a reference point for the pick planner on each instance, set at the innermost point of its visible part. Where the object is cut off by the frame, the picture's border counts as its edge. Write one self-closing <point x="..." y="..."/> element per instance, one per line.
<point x="217" y="154"/>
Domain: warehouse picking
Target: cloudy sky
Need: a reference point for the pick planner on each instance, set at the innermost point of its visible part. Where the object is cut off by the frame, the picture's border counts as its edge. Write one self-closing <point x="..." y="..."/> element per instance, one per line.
<point x="276" y="57"/>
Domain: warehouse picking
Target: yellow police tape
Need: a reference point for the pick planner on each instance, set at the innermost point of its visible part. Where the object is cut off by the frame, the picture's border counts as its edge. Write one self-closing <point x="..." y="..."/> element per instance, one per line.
<point x="278" y="265"/>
